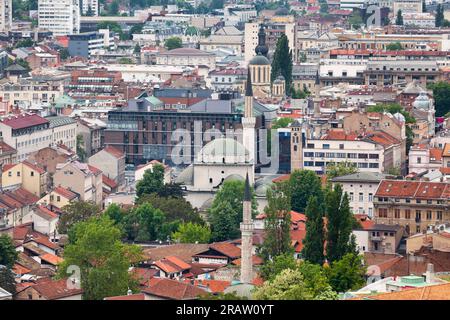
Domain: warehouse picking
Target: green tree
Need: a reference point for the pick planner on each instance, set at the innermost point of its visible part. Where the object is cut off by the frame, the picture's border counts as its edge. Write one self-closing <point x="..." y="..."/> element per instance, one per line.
<point x="23" y="63"/>
<point x="439" y="18"/>
<point x="347" y="273"/>
<point x="145" y="223"/>
<point x="340" y="169"/>
<point x="8" y="253"/>
<point x="102" y="258"/>
<point x="113" y="9"/>
<point x="111" y="26"/>
<point x="271" y="268"/>
<point x="313" y="244"/>
<point x="64" y="53"/>
<point x="137" y="49"/>
<point x="281" y="123"/>
<point x="125" y="60"/>
<point x="216" y="4"/>
<point x="394" y="46"/>
<point x="277" y="238"/>
<point x="355" y="19"/>
<point x="192" y="233"/>
<point x="340" y="239"/>
<point x="74" y="212"/>
<point x="7" y="280"/>
<point x="282" y="61"/>
<point x="424" y="6"/>
<point x="290" y="284"/>
<point x="81" y="151"/>
<point x="441" y="95"/>
<point x="152" y="181"/>
<point x="399" y="19"/>
<point x="324" y="8"/>
<point x="25" y="43"/>
<point x="225" y="214"/>
<point x="392" y="108"/>
<point x="304" y="184"/>
<point x="173" y="43"/>
<point x="174" y="208"/>
<point x="115" y="213"/>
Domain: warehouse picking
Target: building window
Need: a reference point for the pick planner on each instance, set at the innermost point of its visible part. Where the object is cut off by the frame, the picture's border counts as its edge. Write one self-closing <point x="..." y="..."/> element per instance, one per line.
<point x="429" y="215"/>
<point x="418" y="215"/>
<point x="18" y="173"/>
<point x="439" y="215"/>
<point x="397" y="213"/>
<point x="370" y="197"/>
<point x="361" y="197"/>
<point x="32" y="173"/>
<point x="382" y="213"/>
<point x="351" y="196"/>
<point x="407" y="214"/>
<point x="419" y="160"/>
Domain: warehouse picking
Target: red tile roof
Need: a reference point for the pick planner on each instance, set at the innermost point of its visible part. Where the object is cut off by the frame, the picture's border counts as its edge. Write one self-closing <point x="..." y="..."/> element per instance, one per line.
<point x="46" y="213"/>
<point x="109" y="182"/>
<point x="172" y="289"/>
<point x="51" y="258"/>
<point x="413" y="189"/>
<point x="34" y="167"/>
<point x="435" y="154"/>
<point x="339" y="135"/>
<point x="115" y="152"/>
<point x="55" y="289"/>
<point x="24" y="121"/>
<point x="172" y="264"/>
<point x="227" y="249"/>
<point x="94" y="170"/>
<point x="215" y="286"/>
<point x="20" y="270"/>
<point x="66" y="193"/>
<point x="143" y="275"/>
<point x="257" y="260"/>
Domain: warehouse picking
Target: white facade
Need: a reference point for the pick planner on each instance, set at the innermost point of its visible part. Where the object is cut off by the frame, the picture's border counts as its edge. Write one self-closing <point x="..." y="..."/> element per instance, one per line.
<point x="93" y="4"/>
<point x="62" y="17"/>
<point x="250" y="40"/>
<point x="361" y="240"/>
<point x="5" y="15"/>
<point x="366" y="156"/>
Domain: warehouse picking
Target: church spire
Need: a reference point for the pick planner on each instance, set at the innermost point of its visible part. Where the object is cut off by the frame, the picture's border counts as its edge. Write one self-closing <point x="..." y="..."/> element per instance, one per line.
<point x="261" y="48"/>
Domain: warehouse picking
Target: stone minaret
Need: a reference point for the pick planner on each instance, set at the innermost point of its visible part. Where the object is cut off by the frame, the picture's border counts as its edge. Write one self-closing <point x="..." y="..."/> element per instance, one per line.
<point x="249" y="122"/>
<point x="247" y="236"/>
<point x="317" y="96"/>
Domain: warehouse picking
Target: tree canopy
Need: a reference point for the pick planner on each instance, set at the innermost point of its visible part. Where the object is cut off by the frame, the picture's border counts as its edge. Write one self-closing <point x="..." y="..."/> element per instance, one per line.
<point x="8" y="253"/>
<point x="347" y="273"/>
<point x="173" y="43"/>
<point x="74" y="212"/>
<point x="313" y="244"/>
<point x="282" y="61"/>
<point x="225" y="214"/>
<point x="399" y="19"/>
<point x="192" y="233"/>
<point x="441" y="95"/>
<point x="304" y="184"/>
<point x="96" y="248"/>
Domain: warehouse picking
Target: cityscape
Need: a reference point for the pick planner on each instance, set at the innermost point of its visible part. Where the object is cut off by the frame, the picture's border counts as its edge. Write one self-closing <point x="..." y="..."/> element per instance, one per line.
<point x="225" y="150"/>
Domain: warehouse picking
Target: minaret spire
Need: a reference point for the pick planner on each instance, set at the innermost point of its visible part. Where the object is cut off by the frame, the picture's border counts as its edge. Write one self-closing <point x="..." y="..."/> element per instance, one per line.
<point x="247" y="236"/>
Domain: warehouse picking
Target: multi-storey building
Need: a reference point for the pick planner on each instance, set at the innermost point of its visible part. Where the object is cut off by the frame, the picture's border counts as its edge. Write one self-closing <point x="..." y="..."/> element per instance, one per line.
<point x="228" y="79"/>
<point x="61" y="17"/>
<point x="361" y="188"/>
<point x="5" y="15"/>
<point x="89" y="43"/>
<point x="334" y="71"/>
<point x="423" y="158"/>
<point x="394" y="72"/>
<point x="28" y="133"/>
<point x="145" y="133"/>
<point x="412" y="204"/>
<point x="374" y="152"/>
<point x="26" y="92"/>
<point x="89" y="7"/>
<point x="186" y="57"/>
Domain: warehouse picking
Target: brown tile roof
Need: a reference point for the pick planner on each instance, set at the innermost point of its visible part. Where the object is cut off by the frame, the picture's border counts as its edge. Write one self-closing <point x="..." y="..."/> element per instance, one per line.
<point x="339" y="135"/>
<point x="109" y="182"/>
<point x="94" y="170"/>
<point x="34" y="167"/>
<point x="227" y="249"/>
<point x="446" y="150"/>
<point x="24" y="121"/>
<point x="172" y="264"/>
<point x="66" y="193"/>
<point x="184" y="251"/>
<point x="143" y="275"/>
<point x="432" y="292"/>
<point x="45" y="213"/>
<point x="435" y="154"/>
<point x="20" y="270"/>
<point x="255" y="259"/>
<point x="51" y="258"/>
<point x="6" y="148"/>
<point x="55" y="289"/>
<point x="413" y="189"/>
<point x="172" y="289"/>
<point x="114" y="152"/>
<point x="215" y="286"/>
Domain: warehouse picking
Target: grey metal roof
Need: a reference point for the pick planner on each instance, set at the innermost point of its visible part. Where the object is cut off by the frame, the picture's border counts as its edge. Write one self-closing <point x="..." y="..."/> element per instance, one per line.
<point x="57" y="121"/>
<point x="361" y="177"/>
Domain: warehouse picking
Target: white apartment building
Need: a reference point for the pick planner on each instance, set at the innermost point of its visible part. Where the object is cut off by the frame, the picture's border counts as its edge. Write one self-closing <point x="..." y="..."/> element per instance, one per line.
<point x="423" y="158"/>
<point x="407" y="6"/>
<point x="28" y="133"/>
<point x="425" y="20"/>
<point x="5" y="15"/>
<point x="92" y="4"/>
<point x="365" y="155"/>
<point x="250" y="40"/>
<point x="62" y="17"/>
<point x="360" y="188"/>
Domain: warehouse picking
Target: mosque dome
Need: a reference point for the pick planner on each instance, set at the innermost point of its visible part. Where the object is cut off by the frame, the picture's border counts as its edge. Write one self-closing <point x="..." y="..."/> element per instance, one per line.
<point x="422" y="101"/>
<point x="223" y="150"/>
<point x="234" y="177"/>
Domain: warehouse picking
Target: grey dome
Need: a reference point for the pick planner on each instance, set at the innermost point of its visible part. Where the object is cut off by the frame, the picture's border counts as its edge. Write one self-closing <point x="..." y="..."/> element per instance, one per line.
<point x="259" y="60"/>
<point x="422" y="101"/>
